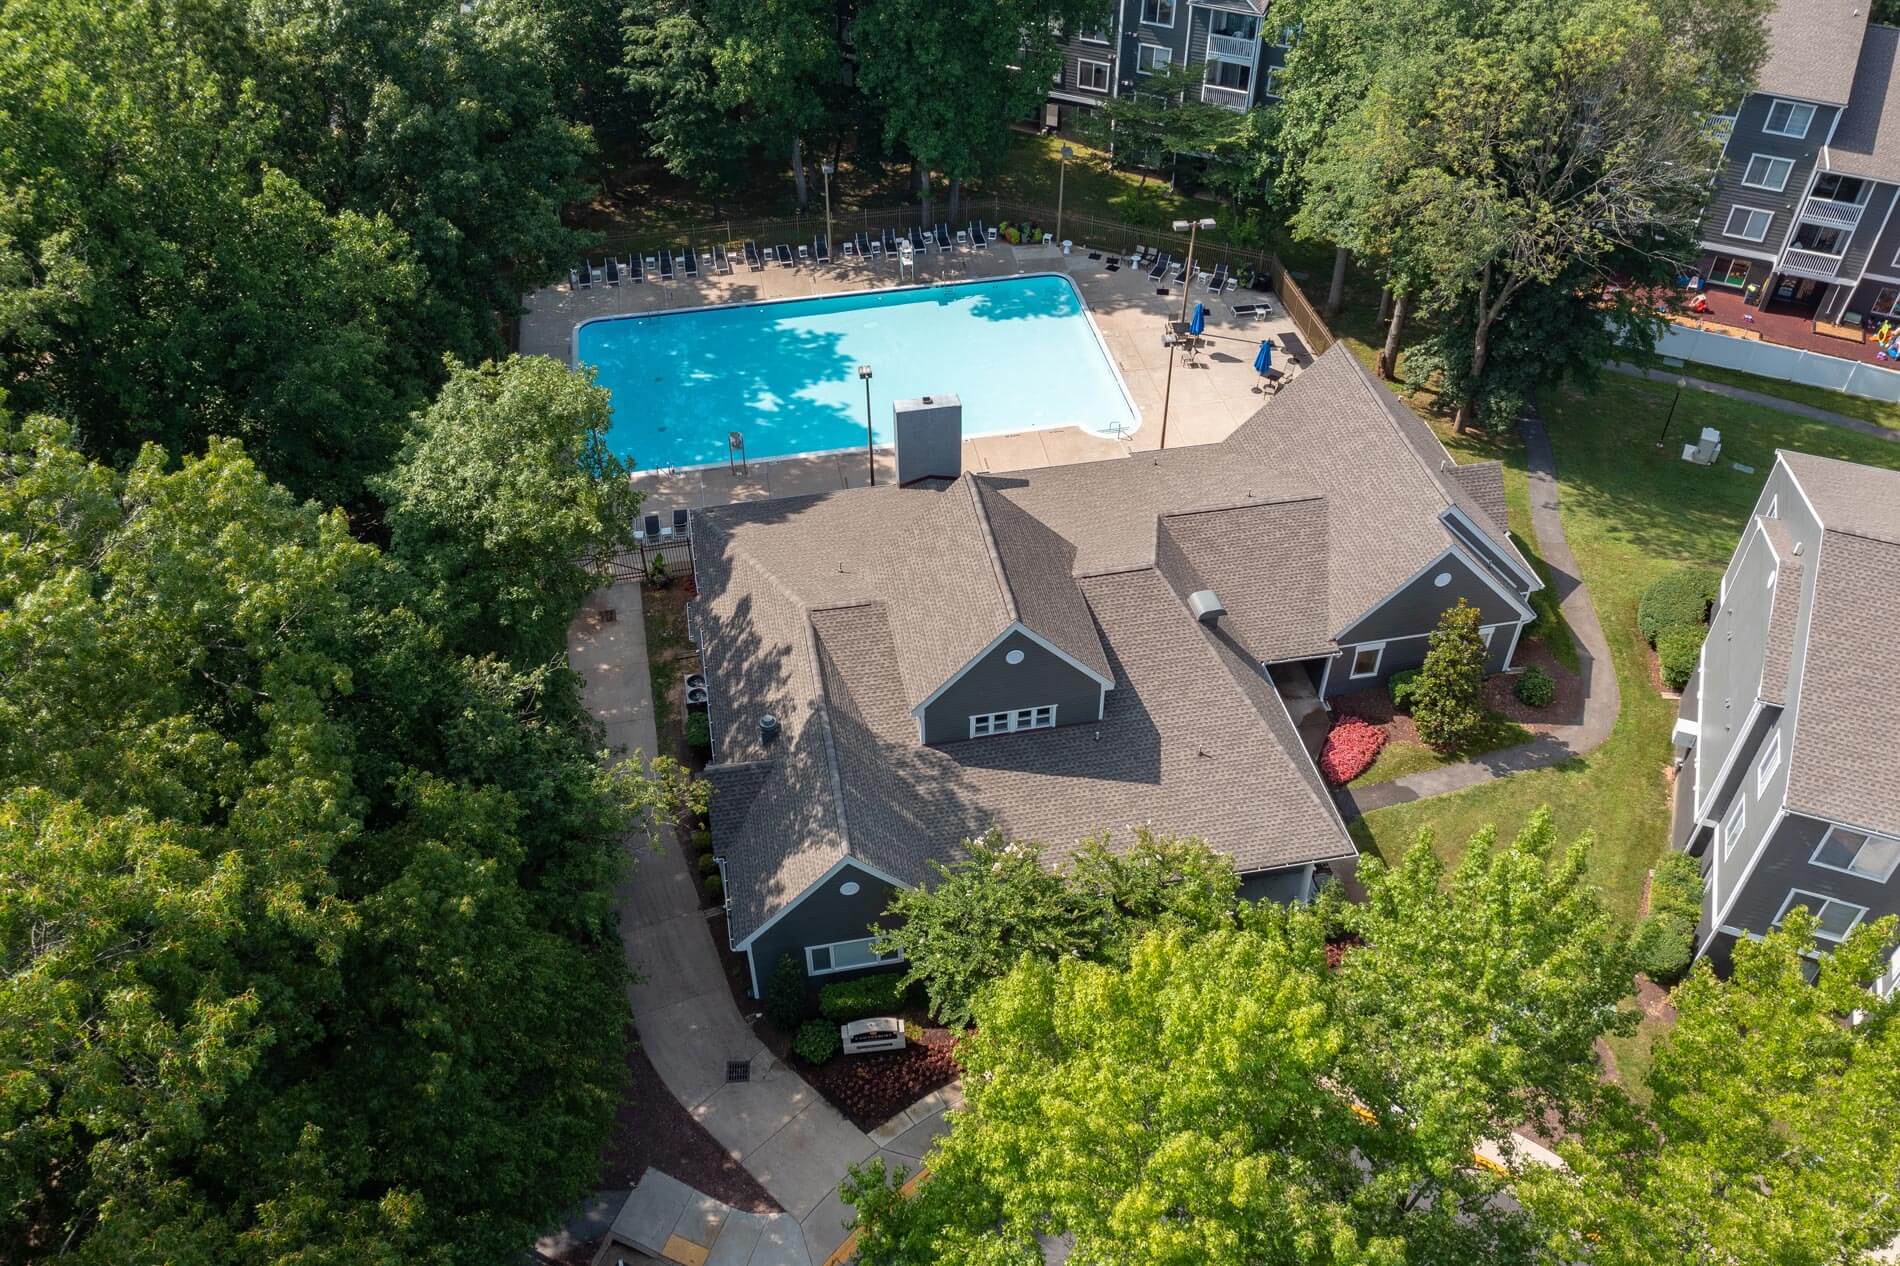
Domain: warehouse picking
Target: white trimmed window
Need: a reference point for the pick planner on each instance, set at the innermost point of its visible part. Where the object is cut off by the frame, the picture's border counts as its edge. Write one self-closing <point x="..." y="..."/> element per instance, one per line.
<point x="1789" y="118"/>
<point x="1729" y="270"/>
<point x="1765" y="171"/>
<point x="1092" y="76"/>
<point x="1366" y="660"/>
<point x="1150" y="58"/>
<point x="985" y="724"/>
<point x="1732" y="825"/>
<point x="1834" y="919"/>
<point x="845" y="956"/>
<point x="1157" y="12"/>
<point x="1857" y="853"/>
<point x="1748" y="223"/>
<point x="1887" y="301"/>
<point x="1770" y="755"/>
<point x="1270" y="79"/>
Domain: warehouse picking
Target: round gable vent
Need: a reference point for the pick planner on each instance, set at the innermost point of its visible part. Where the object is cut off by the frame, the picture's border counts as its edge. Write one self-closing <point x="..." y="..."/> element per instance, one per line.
<point x="1014" y="657"/>
<point x="849" y="888"/>
<point x="1442" y="579"/>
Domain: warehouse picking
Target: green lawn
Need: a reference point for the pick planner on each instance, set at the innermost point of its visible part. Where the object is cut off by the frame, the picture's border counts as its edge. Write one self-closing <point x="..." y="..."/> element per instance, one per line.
<point x="1630" y="514"/>
<point x="1033" y="170"/>
<point x="1879" y="412"/>
<point x="1397" y="759"/>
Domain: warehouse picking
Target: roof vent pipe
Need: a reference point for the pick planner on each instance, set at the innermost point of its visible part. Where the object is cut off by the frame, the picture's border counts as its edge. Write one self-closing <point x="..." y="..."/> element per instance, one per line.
<point x="1205" y="606"/>
<point x="768" y="728"/>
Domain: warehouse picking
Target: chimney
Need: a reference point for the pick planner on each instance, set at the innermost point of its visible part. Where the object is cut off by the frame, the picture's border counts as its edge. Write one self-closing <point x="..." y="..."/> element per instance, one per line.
<point x="929" y="438"/>
<point x="1205" y="606"/>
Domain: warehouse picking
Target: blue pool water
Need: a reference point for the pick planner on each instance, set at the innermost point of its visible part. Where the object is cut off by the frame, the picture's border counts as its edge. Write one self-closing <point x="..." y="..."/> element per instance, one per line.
<point x="1020" y="352"/>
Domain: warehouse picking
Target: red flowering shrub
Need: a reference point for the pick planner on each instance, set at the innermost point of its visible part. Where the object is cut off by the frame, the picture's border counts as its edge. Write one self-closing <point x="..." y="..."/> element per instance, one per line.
<point x="1350" y="748"/>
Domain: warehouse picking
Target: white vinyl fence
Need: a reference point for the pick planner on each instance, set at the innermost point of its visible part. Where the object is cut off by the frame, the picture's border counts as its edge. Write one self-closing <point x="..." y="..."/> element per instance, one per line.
<point x="1791" y="364"/>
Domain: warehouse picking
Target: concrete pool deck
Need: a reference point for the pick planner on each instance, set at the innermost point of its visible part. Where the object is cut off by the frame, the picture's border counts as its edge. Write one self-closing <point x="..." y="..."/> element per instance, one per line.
<point x="1210" y="397"/>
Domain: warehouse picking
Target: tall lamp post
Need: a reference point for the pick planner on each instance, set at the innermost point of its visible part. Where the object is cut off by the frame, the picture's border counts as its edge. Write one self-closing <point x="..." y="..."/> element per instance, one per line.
<point x="870" y="458"/>
<point x="1062" y="177"/>
<point x="1187" y="280"/>
<point x="827" y="167"/>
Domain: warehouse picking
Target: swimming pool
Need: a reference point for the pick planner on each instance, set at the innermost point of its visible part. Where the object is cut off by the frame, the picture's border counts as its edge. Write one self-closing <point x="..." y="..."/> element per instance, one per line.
<point x="1020" y="352"/>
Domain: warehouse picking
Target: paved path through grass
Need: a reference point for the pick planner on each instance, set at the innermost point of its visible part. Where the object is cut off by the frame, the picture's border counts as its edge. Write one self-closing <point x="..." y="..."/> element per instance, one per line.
<point x="1600" y="695"/>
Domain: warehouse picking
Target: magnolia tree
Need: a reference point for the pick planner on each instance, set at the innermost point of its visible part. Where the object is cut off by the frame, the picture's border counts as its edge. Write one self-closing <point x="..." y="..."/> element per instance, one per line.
<point x="1447" y="703"/>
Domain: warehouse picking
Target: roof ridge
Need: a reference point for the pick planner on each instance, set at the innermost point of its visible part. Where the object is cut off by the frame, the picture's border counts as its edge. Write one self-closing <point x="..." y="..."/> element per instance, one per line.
<point x="1255" y="504"/>
<point x="1387" y="406"/>
<point x="996" y="557"/>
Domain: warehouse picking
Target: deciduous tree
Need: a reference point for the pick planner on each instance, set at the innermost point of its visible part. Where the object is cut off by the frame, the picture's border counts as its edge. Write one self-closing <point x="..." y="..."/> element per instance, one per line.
<point x="1447" y="697"/>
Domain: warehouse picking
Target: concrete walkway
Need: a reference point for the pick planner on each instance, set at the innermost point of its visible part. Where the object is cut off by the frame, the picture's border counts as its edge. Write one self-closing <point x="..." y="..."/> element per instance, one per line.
<point x="1761" y="398"/>
<point x="791" y="1140"/>
<point x="1601" y="699"/>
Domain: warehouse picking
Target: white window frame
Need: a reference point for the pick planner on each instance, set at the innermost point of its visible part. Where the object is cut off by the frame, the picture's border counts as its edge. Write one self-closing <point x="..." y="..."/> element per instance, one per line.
<point x="990" y="724"/>
<point x="1085" y="86"/>
<point x="1768" y="222"/>
<point x="1770" y="759"/>
<point x="1174" y="14"/>
<point x="1723" y="280"/>
<point x="1487" y="632"/>
<point x="1815" y="859"/>
<point x="831" y="951"/>
<point x="1094" y="37"/>
<point x="1787" y="170"/>
<point x="1794" y="109"/>
<point x="1270" y="80"/>
<point x="1144" y="65"/>
<point x="1774" y="506"/>
<point x="1893" y="308"/>
<point x="1817" y="903"/>
<point x="1734" y="822"/>
<point x="1352" y="660"/>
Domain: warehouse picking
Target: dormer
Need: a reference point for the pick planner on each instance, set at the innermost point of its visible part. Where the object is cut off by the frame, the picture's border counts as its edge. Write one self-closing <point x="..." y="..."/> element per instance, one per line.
<point x="1018" y="682"/>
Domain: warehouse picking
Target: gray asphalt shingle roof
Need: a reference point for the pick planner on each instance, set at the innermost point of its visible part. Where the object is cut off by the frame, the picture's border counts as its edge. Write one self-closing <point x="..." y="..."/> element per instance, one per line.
<point x="1812" y="49"/>
<point x="1867" y="143"/>
<point x="838" y="612"/>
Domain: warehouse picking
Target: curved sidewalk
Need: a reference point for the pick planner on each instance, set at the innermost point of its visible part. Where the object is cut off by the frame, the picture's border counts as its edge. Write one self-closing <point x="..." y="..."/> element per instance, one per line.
<point x="773" y="1123"/>
<point x="1601" y="699"/>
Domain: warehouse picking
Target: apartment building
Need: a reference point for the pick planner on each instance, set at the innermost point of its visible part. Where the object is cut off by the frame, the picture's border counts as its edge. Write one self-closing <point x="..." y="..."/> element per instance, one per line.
<point x="1241" y="56"/>
<point x="1802" y="219"/>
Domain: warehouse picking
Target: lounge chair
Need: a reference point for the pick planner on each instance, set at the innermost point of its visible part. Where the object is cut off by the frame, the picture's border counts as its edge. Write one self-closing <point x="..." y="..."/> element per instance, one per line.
<point x="890" y="242"/>
<point x="720" y="261"/>
<point x="752" y="255"/>
<point x="784" y="253"/>
<point x="1219" y="283"/>
<point x="586" y="281"/>
<point x="652" y="522"/>
<point x="666" y="263"/>
<point x="916" y="239"/>
<point x="679" y="520"/>
<point x="864" y="246"/>
<point x="689" y="262"/>
<point x="1295" y="350"/>
<point x="978" y="238"/>
<point x="1159" y="268"/>
<point x="821" y="249"/>
<point x="943" y="238"/>
<point x="634" y="271"/>
<point x="613" y="271"/>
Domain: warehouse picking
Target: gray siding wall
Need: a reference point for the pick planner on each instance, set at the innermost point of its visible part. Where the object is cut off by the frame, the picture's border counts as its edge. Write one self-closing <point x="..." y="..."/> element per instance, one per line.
<point x="1861" y="247"/>
<point x="1077" y="51"/>
<point x="1409" y="652"/>
<point x="1177" y="38"/>
<point x="1883" y="260"/>
<point x="1728" y="861"/>
<point x="1784" y="866"/>
<point x="996" y="685"/>
<point x="1403" y="620"/>
<point x="825" y="915"/>
<point x="1748" y="139"/>
<point x="1731" y="666"/>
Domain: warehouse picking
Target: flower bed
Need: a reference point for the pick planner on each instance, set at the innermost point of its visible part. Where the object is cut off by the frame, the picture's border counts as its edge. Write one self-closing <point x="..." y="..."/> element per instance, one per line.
<point x="871" y="1089"/>
<point x="1351" y="747"/>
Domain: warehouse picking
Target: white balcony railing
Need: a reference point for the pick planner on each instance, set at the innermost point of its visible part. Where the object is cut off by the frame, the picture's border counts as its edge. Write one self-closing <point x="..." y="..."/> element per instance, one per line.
<point x="1843" y="215"/>
<point x="1232" y="48"/>
<point x="1232" y="98"/>
<point x="1811" y="264"/>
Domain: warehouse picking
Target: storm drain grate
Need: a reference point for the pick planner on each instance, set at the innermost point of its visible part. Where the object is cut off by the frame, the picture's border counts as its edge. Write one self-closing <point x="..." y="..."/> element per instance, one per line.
<point x="609" y="615"/>
<point x="738" y="1070"/>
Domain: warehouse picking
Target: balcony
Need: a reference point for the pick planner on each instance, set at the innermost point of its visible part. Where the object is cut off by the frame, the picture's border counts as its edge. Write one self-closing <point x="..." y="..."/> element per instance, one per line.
<point x="1232" y="98"/>
<point x="1232" y="48"/>
<point x="1811" y="264"/>
<point x="1843" y="215"/>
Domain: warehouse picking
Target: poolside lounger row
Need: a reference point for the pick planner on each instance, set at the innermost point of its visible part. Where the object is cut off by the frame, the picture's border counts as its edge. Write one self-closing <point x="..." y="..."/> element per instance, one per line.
<point x="1159" y="267"/>
<point x="1259" y="309"/>
<point x="943" y="238"/>
<point x="650" y="529"/>
<point x="821" y="249"/>
<point x="978" y="237"/>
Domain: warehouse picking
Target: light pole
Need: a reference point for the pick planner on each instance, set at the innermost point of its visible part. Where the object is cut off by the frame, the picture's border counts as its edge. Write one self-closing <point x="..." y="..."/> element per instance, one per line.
<point x="870" y="458"/>
<point x="1062" y="177"/>
<point x="1187" y="280"/>
<point x="827" y="167"/>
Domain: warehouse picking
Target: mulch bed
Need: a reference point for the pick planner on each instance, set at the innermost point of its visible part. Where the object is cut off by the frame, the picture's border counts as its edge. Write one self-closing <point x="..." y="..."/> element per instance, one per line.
<point x="1565" y="709"/>
<point x="871" y="1089"/>
<point x="652" y="1128"/>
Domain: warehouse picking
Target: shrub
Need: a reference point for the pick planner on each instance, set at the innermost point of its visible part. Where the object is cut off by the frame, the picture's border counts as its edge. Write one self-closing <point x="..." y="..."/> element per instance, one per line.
<point x="702" y="841"/>
<point x="1662" y="946"/>
<point x="1351" y="747"/>
<point x="787" y="998"/>
<point x="1681" y="597"/>
<point x="1403" y="684"/>
<point x="708" y="864"/>
<point x="715" y="886"/>
<point x="1446" y="698"/>
<point x="1535" y="688"/>
<point x="817" y="1041"/>
<point x="1676" y="887"/>
<point x="698" y="732"/>
<point x="880" y="994"/>
<point x="1677" y="647"/>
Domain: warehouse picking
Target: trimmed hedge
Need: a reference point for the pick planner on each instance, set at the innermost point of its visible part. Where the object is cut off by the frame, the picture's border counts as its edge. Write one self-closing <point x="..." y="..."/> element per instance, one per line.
<point x="698" y="732"/>
<point x="708" y="864"/>
<point x="715" y="886"/>
<point x="881" y="994"/>
<point x="1664" y="943"/>
<point x="1676" y="887"/>
<point x="817" y="1041"/>
<point x="1535" y="688"/>
<point x="1677" y="647"/>
<point x="787" y="997"/>
<point x="1401" y="684"/>
<point x="1681" y="597"/>
<point x="702" y="841"/>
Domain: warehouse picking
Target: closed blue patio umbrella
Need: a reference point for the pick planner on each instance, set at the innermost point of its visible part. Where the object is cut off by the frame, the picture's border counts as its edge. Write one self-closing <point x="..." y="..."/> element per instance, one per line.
<point x="1198" y="323"/>
<point x="1263" y="359"/>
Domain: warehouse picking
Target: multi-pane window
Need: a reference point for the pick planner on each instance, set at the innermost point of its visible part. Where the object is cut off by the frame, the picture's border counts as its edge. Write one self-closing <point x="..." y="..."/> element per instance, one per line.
<point x="1091" y="75"/>
<point x="1748" y="223"/>
<point x="985" y="724"/>
<point x="1834" y="918"/>
<point x="1153" y="57"/>
<point x="1837" y="188"/>
<point x="1229" y="75"/>
<point x="1765" y="171"/>
<point x="1858" y="853"/>
<point x="1238" y="26"/>
<point x="1732" y="825"/>
<point x="845" y="956"/>
<point x="1789" y="118"/>
<point x="1824" y="239"/>
<point x="1157" y="12"/>
<point x="1887" y="301"/>
<point x="1771" y="750"/>
<point x="1729" y="270"/>
<point x="1270" y="80"/>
